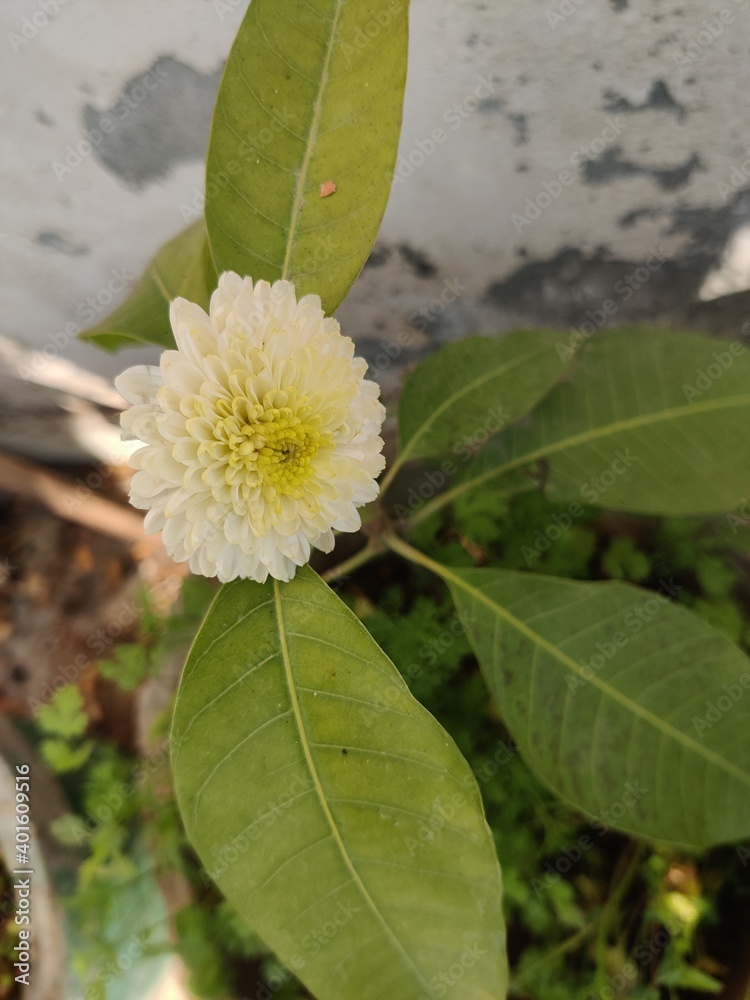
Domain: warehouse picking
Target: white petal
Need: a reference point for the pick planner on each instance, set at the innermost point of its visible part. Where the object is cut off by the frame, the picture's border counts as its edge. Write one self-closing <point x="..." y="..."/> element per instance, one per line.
<point x="325" y="541"/>
<point x="193" y="332"/>
<point x="139" y="384"/>
<point x="181" y="373"/>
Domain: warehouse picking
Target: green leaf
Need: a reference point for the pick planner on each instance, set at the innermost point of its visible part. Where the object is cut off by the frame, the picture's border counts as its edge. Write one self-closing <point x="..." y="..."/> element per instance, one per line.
<point x="118" y="911"/>
<point x="467" y="391"/>
<point x="183" y="267"/>
<point x="196" y="595"/>
<point x="627" y="705"/>
<point x="688" y="978"/>
<point x="64" y="715"/>
<point x="202" y="951"/>
<point x="128" y="666"/>
<point x="312" y="92"/>
<point x="333" y="811"/>
<point x="624" y="561"/>
<point x="70" y="830"/>
<point x="642" y="425"/>
<point x="63" y="756"/>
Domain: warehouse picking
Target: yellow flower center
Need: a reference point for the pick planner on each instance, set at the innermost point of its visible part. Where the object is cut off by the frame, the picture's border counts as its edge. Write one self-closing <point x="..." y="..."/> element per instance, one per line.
<point x="268" y="445"/>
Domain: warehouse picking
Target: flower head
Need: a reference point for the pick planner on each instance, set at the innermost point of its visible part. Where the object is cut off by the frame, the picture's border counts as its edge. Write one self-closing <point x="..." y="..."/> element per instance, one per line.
<point x="261" y="434"/>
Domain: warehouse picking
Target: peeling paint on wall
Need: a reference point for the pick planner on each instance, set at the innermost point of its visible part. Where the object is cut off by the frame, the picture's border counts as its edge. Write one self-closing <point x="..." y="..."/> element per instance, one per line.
<point x="659" y="98"/>
<point x="673" y="175"/>
<point x="60" y="244"/>
<point x="161" y="118"/>
<point x="613" y="166"/>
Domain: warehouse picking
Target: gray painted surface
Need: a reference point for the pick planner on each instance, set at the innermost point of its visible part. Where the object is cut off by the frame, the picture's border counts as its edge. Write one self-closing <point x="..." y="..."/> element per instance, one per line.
<point x="555" y="156"/>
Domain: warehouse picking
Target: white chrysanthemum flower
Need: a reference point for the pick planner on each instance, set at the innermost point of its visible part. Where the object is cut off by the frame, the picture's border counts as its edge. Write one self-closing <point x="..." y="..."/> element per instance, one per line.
<point x="261" y="433"/>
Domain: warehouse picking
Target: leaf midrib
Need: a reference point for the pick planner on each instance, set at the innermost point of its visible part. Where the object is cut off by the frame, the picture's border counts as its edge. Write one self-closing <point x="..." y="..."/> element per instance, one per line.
<point x="591" y="435"/>
<point x="157" y="279"/>
<point x="312" y="137"/>
<point x="465" y="390"/>
<point x="321" y="796"/>
<point x="664" y="727"/>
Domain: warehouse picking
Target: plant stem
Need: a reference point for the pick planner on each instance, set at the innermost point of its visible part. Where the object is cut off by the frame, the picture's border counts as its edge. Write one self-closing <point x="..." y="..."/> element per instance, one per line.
<point x="569" y="944"/>
<point x="434" y="505"/>
<point x="375" y="548"/>
<point x="402" y="548"/>
<point x="370" y="551"/>
<point x="600" y="922"/>
<point x="391" y="474"/>
<point x="621" y="883"/>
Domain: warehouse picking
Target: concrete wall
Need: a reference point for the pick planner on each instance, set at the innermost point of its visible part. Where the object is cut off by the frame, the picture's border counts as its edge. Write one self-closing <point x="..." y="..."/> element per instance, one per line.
<point x="551" y="152"/>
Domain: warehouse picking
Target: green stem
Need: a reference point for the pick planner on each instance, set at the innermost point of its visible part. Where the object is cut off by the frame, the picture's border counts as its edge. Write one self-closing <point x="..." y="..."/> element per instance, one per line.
<point x="402" y="548"/>
<point x="569" y="944"/>
<point x="391" y="474"/>
<point x="437" y="503"/>
<point x="599" y="923"/>
<point x="375" y="548"/>
<point x="622" y="881"/>
<point x="370" y="551"/>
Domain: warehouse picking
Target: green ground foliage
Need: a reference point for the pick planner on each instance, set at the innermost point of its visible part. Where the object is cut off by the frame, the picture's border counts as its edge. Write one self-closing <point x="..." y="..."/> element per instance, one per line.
<point x="590" y="912"/>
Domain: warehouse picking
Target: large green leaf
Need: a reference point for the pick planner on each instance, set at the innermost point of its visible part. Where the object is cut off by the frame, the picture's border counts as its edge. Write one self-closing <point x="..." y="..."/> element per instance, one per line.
<point x="183" y="267"/>
<point x="312" y="93"/>
<point x="333" y="811"/>
<point x="469" y="390"/>
<point x="627" y="705"/>
<point x="650" y="421"/>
